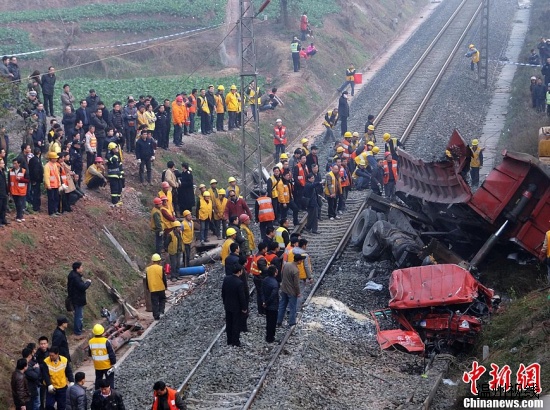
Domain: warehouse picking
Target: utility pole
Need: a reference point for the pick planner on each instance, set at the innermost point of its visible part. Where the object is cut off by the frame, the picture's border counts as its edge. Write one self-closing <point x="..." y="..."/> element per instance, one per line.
<point x="484" y="45"/>
<point x="249" y="77"/>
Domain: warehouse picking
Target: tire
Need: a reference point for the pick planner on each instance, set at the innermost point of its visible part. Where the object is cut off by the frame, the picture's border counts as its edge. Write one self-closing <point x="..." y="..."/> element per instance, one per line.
<point x="381" y="216"/>
<point x="372" y="247"/>
<point x="362" y="226"/>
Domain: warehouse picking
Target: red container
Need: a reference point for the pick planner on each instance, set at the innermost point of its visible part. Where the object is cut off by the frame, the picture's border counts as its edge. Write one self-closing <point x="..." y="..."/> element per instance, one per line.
<point x="358" y="78"/>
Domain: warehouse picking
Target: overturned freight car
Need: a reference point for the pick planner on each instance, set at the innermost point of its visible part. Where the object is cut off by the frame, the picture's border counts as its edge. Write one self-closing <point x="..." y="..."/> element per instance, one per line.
<point x="512" y="204"/>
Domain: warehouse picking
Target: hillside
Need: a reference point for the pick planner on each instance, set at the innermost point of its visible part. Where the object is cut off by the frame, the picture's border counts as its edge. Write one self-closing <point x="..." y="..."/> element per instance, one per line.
<point x="45" y="246"/>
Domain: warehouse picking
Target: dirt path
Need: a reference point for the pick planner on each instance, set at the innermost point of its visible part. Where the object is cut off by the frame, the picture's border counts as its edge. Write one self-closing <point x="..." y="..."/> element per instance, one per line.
<point x="229" y="52"/>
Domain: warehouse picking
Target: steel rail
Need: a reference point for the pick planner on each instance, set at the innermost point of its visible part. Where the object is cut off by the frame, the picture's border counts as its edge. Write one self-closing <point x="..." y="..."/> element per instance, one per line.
<point x="438" y="78"/>
<point x="414" y="69"/>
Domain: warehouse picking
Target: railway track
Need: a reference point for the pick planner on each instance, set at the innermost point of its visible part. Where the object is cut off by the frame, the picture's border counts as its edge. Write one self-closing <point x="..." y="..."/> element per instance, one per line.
<point x="404" y="107"/>
<point x="201" y="391"/>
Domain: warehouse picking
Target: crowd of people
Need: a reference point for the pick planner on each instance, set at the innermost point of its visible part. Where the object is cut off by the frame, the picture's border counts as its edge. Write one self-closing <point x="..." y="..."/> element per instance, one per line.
<point x="540" y="85"/>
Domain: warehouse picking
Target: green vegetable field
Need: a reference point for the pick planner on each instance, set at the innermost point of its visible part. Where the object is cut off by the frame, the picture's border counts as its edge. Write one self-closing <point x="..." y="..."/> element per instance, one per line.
<point x="316" y="9"/>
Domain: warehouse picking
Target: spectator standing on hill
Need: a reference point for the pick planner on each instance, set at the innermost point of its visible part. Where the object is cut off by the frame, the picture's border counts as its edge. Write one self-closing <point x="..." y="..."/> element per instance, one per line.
<point x="13" y="68"/>
<point x="179" y="116"/>
<point x="304" y="25"/>
<point x="116" y="121"/>
<point x="76" y="291"/>
<point x="539" y="96"/>
<point x="129" y="114"/>
<point x="295" y="48"/>
<point x="100" y="126"/>
<point x="145" y="154"/>
<point x="162" y="125"/>
<point x="82" y="115"/>
<point x="204" y="112"/>
<point x="534" y="58"/>
<point x="59" y="338"/>
<point x="92" y="101"/>
<point x="48" y="86"/>
<point x="67" y="98"/>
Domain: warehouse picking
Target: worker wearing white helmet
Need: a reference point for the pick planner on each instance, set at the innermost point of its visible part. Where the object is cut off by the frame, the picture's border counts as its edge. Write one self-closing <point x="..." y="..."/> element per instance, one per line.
<point x="232" y="181"/>
<point x="279" y="139"/>
<point x="103" y="356"/>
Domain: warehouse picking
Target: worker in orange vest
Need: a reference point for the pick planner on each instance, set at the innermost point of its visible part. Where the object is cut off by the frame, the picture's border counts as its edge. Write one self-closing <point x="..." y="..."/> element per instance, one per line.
<point x="279" y="139"/>
<point x="18" y="188"/>
<point x="166" y="398"/>
<point x="265" y="214"/>
<point x="299" y="174"/>
<point x="390" y="176"/>
<point x="52" y="182"/>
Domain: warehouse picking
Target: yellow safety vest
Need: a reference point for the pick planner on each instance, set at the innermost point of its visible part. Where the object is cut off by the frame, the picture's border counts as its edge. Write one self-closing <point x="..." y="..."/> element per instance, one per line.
<point x="548" y="244"/>
<point x="169" y="196"/>
<point x="274" y="183"/>
<point x="250" y="237"/>
<point x="188" y="233"/>
<point x="154" y="211"/>
<point x="173" y="246"/>
<point x="98" y="349"/>
<point x="279" y="236"/>
<point x="154" y="278"/>
<point x="205" y="209"/>
<point x="56" y="371"/>
<point x="225" y="249"/>
<point x="475" y="162"/>
<point x="294" y="47"/>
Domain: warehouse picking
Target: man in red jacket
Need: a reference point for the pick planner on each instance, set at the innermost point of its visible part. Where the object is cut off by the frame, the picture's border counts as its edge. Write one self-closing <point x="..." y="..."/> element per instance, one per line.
<point x="236" y="206"/>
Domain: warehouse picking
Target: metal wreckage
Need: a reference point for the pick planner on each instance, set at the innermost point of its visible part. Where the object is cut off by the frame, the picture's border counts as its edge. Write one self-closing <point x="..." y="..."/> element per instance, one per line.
<point x="438" y="235"/>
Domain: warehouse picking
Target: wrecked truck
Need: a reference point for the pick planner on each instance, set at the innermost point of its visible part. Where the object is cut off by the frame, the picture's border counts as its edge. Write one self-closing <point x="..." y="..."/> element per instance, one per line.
<point x="433" y="308"/>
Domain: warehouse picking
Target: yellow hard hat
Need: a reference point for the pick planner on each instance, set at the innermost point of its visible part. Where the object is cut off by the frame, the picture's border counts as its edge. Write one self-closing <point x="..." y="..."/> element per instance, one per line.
<point x="304" y="140"/>
<point x="176" y="223"/>
<point x="155" y="257"/>
<point x="362" y="162"/>
<point x="230" y="232"/>
<point x="231" y="179"/>
<point x="284" y="155"/>
<point x="471" y="46"/>
<point x="370" y="143"/>
<point x="221" y="87"/>
<point x="448" y="153"/>
<point x="475" y="142"/>
<point x="52" y="155"/>
<point x="347" y="134"/>
<point x="221" y="191"/>
<point x="186" y="212"/>
<point x="233" y="87"/>
<point x="375" y="150"/>
<point x="386" y="136"/>
<point x="202" y="186"/>
<point x="213" y="181"/>
<point x="206" y="193"/>
<point x="111" y="146"/>
<point x="98" y="329"/>
<point x="340" y="149"/>
<point x="370" y="127"/>
<point x="355" y="134"/>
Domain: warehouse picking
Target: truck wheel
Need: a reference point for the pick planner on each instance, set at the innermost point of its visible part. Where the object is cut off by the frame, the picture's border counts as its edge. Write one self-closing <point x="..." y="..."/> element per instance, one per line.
<point x="362" y="226"/>
<point x="372" y="247"/>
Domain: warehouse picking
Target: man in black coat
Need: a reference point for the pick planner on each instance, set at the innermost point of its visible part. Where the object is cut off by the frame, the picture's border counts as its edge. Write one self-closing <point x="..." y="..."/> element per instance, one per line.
<point x="343" y="112"/>
<point x="36" y="176"/>
<point x="186" y="195"/>
<point x="48" y="86"/>
<point x="83" y="115"/>
<point x="76" y="291"/>
<point x="101" y="126"/>
<point x="92" y="100"/>
<point x="106" y="398"/>
<point x="59" y="338"/>
<point x="145" y="154"/>
<point x="234" y="302"/>
<point x="3" y="193"/>
<point x="233" y="259"/>
<point x="270" y="301"/>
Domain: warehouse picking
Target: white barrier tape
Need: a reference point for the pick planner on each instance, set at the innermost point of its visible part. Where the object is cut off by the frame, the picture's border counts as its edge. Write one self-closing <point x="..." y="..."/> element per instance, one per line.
<point x="514" y="63"/>
<point x="116" y="45"/>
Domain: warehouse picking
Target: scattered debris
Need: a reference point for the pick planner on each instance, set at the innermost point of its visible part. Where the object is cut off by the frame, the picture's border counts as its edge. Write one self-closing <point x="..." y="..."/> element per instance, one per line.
<point x="373" y="286"/>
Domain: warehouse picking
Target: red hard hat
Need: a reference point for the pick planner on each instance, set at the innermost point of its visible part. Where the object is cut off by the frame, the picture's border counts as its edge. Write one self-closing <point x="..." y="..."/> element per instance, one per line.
<point x="157" y="201"/>
<point x="98" y="159"/>
<point x="179" y="98"/>
<point x="165" y="184"/>
<point x="244" y="217"/>
<point x="163" y="198"/>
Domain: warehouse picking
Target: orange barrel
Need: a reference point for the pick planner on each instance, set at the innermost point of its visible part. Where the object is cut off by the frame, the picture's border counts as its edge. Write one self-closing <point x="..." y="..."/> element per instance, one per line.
<point x="358" y="78"/>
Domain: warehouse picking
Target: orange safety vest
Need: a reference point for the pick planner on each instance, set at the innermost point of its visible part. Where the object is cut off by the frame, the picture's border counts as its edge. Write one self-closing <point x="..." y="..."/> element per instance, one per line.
<point x="193" y="100"/>
<point x="18" y="188"/>
<point x="269" y="257"/>
<point x="265" y="209"/>
<point x="171" y="399"/>
<point x="254" y="267"/>
<point x="55" y="181"/>
<point x="281" y="133"/>
<point x="302" y="174"/>
<point x="387" y="171"/>
<point x="288" y="255"/>
<point x="344" y="177"/>
<point x="63" y="175"/>
<point x="220" y="109"/>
